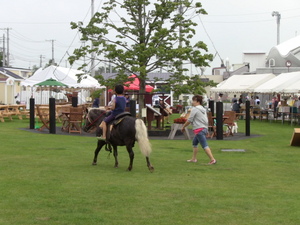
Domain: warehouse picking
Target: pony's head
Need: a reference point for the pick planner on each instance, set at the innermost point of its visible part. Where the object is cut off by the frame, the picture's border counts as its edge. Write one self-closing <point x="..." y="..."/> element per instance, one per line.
<point x="93" y="119"/>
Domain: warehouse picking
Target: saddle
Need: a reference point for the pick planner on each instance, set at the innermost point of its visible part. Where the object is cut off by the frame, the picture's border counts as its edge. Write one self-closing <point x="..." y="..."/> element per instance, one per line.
<point x="118" y="119"/>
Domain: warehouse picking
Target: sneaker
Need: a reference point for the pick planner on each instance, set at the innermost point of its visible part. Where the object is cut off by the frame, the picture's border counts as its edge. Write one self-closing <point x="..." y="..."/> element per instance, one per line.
<point x="101" y="138"/>
<point x="192" y="160"/>
<point x="212" y="162"/>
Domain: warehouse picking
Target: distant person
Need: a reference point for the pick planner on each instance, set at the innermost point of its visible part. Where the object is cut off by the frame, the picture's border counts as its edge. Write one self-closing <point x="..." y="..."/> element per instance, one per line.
<point x="236" y="107"/>
<point x="198" y="118"/>
<point x="233" y="99"/>
<point x="297" y="103"/>
<point x="220" y="97"/>
<point x="257" y="101"/>
<point x="240" y="100"/>
<point x="96" y="103"/>
<point x="155" y="100"/>
<point x="127" y="100"/>
<point x="111" y="100"/>
<point x="252" y="101"/>
<point x="275" y="107"/>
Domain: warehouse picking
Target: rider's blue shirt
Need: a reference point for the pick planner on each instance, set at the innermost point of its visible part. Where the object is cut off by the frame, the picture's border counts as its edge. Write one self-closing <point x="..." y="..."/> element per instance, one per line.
<point x="120" y="105"/>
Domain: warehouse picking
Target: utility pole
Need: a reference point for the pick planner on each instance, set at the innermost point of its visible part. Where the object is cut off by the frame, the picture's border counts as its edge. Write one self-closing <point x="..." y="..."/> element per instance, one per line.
<point x="93" y="53"/>
<point x="3" y="52"/>
<point x="7" y="54"/>
<point x="41" y="60"/>
<point x="277" y="14"/>
<point x="52" y="41"/>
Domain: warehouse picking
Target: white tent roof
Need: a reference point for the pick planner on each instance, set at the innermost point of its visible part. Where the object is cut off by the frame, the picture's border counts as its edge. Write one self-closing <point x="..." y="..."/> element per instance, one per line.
<point x="279" y="83"/>
<point x="64" y="75"/>
<point x="242" y="83"/>
<point x="293" y="88"/>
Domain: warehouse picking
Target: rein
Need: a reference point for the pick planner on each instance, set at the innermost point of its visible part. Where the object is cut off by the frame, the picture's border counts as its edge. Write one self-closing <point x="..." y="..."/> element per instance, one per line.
<point x="92" y="123"/>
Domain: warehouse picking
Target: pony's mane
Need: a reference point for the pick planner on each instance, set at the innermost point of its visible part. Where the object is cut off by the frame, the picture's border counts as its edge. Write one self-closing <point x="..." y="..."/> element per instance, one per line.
<point x="95" y="112"/>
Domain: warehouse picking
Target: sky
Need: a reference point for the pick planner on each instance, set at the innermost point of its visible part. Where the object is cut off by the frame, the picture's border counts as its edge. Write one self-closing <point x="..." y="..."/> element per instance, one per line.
<point x="230" y="28"/>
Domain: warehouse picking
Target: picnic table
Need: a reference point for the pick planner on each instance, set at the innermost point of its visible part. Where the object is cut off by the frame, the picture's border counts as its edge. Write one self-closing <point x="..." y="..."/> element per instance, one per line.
<point x="7" y="111"/>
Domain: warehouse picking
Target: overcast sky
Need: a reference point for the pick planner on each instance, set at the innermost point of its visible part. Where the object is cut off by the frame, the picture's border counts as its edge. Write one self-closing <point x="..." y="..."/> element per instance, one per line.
<point x="231" y="27"/>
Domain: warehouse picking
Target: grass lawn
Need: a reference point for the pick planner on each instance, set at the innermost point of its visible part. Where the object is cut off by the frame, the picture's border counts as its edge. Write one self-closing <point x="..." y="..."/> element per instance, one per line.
<point x="49" y="179"/>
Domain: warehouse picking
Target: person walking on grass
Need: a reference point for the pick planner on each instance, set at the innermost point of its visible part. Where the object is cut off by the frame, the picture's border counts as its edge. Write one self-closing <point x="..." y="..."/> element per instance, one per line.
<point x="117" y="107"/>
<point x="198" y="118"/>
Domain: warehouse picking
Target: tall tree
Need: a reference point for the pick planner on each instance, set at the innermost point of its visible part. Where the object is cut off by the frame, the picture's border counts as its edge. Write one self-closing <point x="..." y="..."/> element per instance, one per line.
<point x="141" y="36"/>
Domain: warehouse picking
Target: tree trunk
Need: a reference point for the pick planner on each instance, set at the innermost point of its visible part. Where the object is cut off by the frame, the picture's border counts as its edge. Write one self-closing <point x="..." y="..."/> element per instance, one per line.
<point x="141" y="97"/>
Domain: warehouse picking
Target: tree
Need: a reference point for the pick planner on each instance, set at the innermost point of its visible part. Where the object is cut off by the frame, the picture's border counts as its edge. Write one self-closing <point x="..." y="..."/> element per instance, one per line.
<point x="193" y="85"/>
<point x="34" y="69"/>
<point x="148" y="35"/>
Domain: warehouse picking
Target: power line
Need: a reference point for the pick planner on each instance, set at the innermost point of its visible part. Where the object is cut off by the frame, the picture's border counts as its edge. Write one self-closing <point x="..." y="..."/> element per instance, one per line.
<point x="21" y="37"/>
<point x="217" y="52"/>
<point x="251" y="14"/>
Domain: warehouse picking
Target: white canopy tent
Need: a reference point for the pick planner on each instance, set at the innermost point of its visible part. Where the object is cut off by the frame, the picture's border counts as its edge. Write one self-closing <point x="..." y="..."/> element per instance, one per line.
<point x="285" y="82"/>
<point x="64" y="75"/>
<point x="242" y="83"/>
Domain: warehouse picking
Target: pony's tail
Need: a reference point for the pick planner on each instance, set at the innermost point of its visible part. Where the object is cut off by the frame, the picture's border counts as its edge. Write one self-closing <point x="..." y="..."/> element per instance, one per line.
<point x="142" y="137"/>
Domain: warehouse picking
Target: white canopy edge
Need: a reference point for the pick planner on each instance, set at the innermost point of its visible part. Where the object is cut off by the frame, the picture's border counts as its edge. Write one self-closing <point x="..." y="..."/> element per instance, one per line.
<point x="283" y="83"/>
<point x="242" y="83"/>
<point x="67" y="76"/>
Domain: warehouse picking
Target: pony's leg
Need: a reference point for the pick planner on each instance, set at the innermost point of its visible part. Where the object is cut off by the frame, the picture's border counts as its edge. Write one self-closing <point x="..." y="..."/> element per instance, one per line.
<point x="150" y="167"/>
<point x="131" y="157"/>
<point x="99" y="146"/>
<point x="116" y="156"/>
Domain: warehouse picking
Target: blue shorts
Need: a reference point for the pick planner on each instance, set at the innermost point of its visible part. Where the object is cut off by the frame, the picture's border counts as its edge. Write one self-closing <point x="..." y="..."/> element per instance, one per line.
<point x="109" y="119"/>
<point x="200" y="138"/>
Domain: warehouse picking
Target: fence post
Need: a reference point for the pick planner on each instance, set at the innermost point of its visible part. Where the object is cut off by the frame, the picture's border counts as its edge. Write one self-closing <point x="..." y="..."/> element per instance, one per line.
<point x="247" y="125"/>
<point x="219" y="118"/>
<point x="31" y="114"/>
<point x="52" y="122"/>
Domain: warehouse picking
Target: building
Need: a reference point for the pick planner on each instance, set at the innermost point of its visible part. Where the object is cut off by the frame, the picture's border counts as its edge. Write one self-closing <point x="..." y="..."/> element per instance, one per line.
<point x="10" y="87"/>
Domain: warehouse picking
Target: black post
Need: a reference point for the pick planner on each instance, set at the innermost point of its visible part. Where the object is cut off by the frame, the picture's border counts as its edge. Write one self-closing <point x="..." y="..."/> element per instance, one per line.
<point x="211" y="105"/>
<point x="75" y="99"/>
<point x="132" y="108"/>
<point x="219" y="118"/>
<point x="52" y="112"/>
<point x="31" y="113"/>
<point x="247" y="125"/>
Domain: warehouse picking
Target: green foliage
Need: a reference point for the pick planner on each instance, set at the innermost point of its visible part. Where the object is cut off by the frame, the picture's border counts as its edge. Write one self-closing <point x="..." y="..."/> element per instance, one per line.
<point x="193" y="85"/>
<point x="143" y="37"/>
<point x="96" y="93"/>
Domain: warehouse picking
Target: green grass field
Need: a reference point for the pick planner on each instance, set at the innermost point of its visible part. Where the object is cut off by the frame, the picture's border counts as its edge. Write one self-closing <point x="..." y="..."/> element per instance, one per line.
<point x="49" y="179"/>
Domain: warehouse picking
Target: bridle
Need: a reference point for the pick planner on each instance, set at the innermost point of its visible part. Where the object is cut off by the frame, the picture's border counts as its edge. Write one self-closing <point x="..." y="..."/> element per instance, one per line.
<point x="94" y="121"/>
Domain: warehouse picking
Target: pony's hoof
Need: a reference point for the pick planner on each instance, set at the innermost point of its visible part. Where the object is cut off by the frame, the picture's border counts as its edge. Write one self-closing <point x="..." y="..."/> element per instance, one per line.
<point x="94" y="163"/>
<point x="151" y="169"/>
